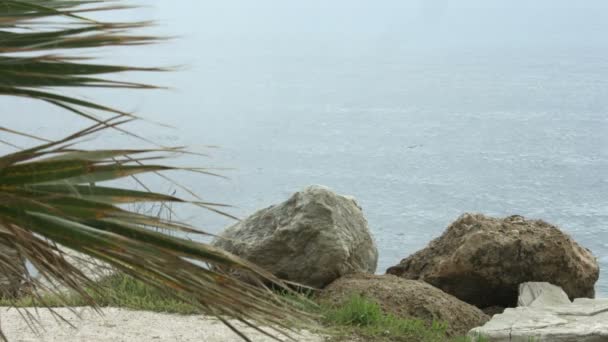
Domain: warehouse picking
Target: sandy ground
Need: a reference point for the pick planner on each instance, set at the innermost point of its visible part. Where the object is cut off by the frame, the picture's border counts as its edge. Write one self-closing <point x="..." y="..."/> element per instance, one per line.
<point x="118" y="325"/>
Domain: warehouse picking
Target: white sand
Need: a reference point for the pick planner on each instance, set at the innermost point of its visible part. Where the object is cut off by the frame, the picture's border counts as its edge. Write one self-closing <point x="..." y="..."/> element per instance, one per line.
<point x="118" y="325"/>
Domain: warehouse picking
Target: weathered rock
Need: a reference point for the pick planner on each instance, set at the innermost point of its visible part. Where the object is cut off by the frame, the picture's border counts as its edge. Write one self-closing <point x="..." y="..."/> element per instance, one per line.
<point x="313" y="238"/>
<point x="583" y="320"/>
<point x="537" y="294"/>
<point x="482" y="260"/>
<point x="409" y="299"/>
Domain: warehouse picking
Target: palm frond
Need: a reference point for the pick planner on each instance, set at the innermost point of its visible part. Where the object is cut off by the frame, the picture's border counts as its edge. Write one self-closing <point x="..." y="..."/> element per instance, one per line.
<point x="56" y="195"/>
<point x="47" y="197"/>
<point x="36" y="36"/>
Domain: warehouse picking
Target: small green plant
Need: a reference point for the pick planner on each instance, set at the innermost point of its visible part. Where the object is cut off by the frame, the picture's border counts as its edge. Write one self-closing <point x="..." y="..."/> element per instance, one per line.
<point x="357" y="311"/>
<point x="363" y="317"/>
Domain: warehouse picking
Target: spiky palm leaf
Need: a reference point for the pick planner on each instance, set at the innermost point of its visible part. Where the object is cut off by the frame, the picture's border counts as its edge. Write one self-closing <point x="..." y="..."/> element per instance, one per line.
<point x="51" y="194"/>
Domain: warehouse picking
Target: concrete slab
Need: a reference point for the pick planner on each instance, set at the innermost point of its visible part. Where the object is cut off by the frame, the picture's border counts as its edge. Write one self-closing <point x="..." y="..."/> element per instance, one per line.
<point x="541" y="294"/>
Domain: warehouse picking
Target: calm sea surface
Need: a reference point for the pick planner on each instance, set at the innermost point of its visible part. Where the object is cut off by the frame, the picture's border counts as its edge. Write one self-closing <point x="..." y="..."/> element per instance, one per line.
<point x="418" y="133"/>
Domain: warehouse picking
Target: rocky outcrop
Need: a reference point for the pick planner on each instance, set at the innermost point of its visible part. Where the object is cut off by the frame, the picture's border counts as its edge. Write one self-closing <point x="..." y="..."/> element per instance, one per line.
<point x="408" y="299"/>
<point x="313" y="238"/>
<point x="482" y="260"/>
<point x="548" y="316"/>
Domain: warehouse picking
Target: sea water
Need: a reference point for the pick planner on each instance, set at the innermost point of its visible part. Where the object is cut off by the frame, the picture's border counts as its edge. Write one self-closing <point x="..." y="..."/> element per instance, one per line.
<point x="421" y="112"/>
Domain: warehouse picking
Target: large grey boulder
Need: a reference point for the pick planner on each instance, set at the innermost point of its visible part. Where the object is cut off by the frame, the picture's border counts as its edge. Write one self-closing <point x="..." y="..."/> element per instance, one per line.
<point x="482" y="260"/>
<point x="407" y="299"/>
<point x="584" y="320"/>
<point x="313" y="238"/>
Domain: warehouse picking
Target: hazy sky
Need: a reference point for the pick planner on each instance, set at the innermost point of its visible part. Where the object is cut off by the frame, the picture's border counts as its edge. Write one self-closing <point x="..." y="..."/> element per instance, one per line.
<point x="416" y="22"/>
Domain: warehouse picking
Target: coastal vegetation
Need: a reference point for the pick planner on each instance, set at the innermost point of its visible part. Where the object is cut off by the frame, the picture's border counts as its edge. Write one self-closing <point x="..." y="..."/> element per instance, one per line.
<point x="358" y="318"/>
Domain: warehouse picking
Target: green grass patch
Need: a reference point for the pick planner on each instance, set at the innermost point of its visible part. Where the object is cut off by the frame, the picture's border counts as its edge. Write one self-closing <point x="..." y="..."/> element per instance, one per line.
<point x="361" y="317"/>
<point x="117" y="291"/>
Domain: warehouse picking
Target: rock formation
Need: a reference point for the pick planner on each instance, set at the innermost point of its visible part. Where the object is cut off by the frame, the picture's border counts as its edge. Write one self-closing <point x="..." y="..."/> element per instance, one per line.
<point x="482" y="260"/>
<point x="313" y="238"/>
<point x="408" y="299"/>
